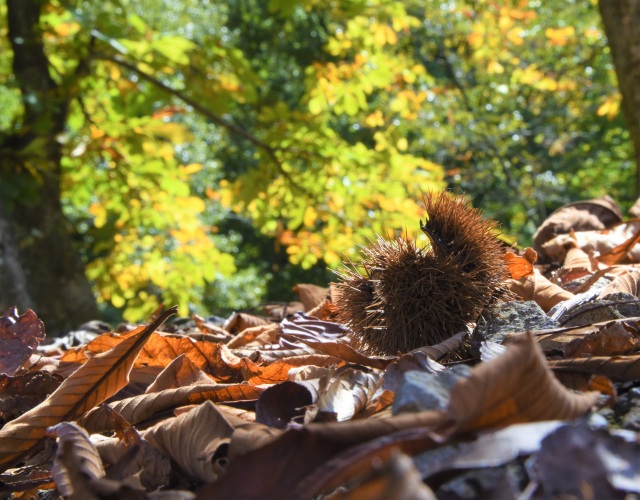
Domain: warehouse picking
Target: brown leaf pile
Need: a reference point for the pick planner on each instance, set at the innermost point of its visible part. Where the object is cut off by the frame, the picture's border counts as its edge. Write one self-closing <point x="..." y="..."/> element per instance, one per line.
<point x="286" y="406"/>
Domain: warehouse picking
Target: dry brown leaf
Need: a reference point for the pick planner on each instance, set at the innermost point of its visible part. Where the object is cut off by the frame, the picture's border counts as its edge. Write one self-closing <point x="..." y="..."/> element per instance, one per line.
<point x="21" y="393"/>
<point x="278" y="312"/>
<point x="539" y="289"/>
<point x="321" y="311"/>
<point x="99" y="378"/>
<point x="27" y="483"/>
<point x="577" y="259"/>
<point x="272" y="353"/>
<point x="209" y="328"/>
<point x="358" y="460"/>
<point x="599" y="213"/>
<point x="241" y="321"/>
<point x="613" y="338"/>
<point x="72" y="439"/>
<point x="515" y="387"/>
<point x="576" y="265"/>
<point x="141" y="459"/>
<point x="256" y="336"/>
<point x="180" y="372"/>
<point x="344" y="352"/>
<point x="396" y="478"/>
<point x="627" y="283"/>
<point x="311" y="296"/>
<point x="440" y="350"/>
<point x="281" y="403"/>
<point x="192" y="439"/>
<point x="216" y="360"/>
<point x="251" y="436"/>
<point x="617" y="368"/>
<point x="621" y="252"/>
<point x="139" y="409"/>
<point x="19" y="336"/>
<point x="279" y="466"/>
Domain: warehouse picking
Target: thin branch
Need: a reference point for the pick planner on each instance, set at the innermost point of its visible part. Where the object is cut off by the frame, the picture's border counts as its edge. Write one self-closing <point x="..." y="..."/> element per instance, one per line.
<point x="194" y="104"/>
<point x="234" y="129"/>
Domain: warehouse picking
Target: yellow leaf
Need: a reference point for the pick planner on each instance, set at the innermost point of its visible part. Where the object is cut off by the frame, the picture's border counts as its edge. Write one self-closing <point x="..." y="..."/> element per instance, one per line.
<point x="190" y="169"/>
<point x="610" y="107"/>
<point x="191" y="204"/>
<point x="310" y="217"/>
<point x="515" y="36"/>
<point x="495" y="67"/>
<point x="560" y="36"/>
<point x="100" y="214"/>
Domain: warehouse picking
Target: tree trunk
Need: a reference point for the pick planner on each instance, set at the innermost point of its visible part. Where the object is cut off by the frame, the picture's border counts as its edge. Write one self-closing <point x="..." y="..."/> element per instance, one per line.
<point x="43" y="268"/>
<point x="621" y="20"/>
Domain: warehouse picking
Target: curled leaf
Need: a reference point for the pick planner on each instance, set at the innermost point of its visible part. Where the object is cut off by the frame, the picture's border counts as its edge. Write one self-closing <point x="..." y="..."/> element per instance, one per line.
<point x="72" y="439"/>
<point x="193" y="441"/>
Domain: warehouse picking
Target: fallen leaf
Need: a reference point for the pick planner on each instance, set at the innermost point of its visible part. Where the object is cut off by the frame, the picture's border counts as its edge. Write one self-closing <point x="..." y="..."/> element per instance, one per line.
<point x="100" y="377"/>
<point x="241" y="321"/>
<point x="195" y="441"/>
<point x="139" y="409"/>
<point x="396" y="478"/>
<point x="619" y="252"/>
<point x="280" y="404"/>
<point x="180" y="372"/>
<point x="329" y="338"/>
<point x="521" y="266"/>
<point x="617" y="368"/>
<point x="21" y="393"/>
<point x="278" y="371"/>
<point x="599" y="213"/>
<point x="627" y="283"/>
<point x="255" y="336"/>
<point x="441" y="349"/>
<point x="539" y="289"/>
<point x="19" y="336"/>
<point x="73" y="440"/>
<point x="606" y="464"/>
<point x="311" y="296"/>
<point x="611" y="339"/>
<point x="516" y="387"/>
<point x="346" y="392"/>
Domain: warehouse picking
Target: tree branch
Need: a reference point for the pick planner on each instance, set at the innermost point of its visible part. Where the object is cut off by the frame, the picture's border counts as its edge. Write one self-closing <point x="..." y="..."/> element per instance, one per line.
<point x="234" y="129"/>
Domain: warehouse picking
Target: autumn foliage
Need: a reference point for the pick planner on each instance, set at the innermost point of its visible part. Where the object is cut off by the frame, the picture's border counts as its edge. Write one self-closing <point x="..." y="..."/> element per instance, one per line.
<point x="287" y="405"/>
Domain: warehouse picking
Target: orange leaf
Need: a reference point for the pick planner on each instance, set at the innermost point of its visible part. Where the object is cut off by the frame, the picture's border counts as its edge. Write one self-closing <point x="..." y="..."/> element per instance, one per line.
<point x="518" y="266"/>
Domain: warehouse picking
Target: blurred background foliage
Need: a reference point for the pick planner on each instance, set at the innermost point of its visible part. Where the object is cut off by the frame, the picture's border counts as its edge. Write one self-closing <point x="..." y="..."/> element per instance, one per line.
<point x="217" y="153"/>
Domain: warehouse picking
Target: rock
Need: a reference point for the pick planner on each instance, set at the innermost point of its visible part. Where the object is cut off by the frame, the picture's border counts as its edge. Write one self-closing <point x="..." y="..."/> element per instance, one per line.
<point x="510" y="317"/>
<point x="611" y="307"/>
<point x="420" y="391"/>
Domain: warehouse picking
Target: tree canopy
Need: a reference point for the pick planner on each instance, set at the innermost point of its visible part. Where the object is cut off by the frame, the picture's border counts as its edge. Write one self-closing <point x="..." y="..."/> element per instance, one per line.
<point x="203" y="141"/>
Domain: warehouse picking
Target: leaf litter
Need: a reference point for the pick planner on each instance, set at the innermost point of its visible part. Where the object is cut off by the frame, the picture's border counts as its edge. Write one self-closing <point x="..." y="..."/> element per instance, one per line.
<point x="289" y="405"/>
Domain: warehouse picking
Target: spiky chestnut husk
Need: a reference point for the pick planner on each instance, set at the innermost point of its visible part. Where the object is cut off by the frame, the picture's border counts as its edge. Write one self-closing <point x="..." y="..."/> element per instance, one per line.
<point x="408" y="297"/>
